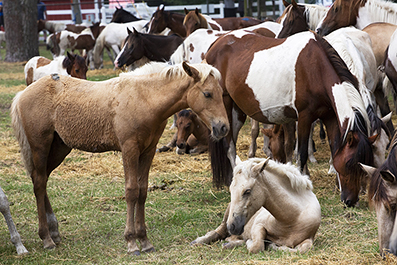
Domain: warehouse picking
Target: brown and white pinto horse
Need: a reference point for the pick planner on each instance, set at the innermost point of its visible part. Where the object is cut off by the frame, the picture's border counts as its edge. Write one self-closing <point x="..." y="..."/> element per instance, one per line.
<point x="165" y="19"/>
<point x="56" y="114"/>
<point x="382" y="193"/>
<point x="358" y="13"/>
<point x="39" y="66"/>
<point x="192" y="135"/>
<point x="298" y="78"/>
<point x="195" y="20"/>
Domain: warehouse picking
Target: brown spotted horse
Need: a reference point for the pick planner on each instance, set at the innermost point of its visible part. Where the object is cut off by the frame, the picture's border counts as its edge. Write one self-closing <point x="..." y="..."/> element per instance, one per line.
<point x="280" y="81"/>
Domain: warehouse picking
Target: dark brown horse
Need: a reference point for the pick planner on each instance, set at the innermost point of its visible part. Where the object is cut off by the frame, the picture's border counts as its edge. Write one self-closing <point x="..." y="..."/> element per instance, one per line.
<point x="123" y="16"/>
<point x="152" y="47"/>
<point x="192" y="135"/>
<point x="165" y="19"/>
<point x="195" y="20"/>
<point x="311" y="82"/>
<point x="56" y="114"/>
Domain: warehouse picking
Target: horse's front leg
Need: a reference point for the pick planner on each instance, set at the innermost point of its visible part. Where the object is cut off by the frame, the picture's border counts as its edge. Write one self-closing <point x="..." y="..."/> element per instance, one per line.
<point x="289" y="137"/>
<point x="254" y="136"/>
<point x="218" y="234"/>
<point x="145" y="161"/>
<point x="130" y="154"/>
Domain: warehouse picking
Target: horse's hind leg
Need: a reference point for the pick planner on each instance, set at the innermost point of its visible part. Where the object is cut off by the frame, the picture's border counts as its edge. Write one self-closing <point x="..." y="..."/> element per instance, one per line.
<point x="57" y="154"/>
<point x="15" y="237"/>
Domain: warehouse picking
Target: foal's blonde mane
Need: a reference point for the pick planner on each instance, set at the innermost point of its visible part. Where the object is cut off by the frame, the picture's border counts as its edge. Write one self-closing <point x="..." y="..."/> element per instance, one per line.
<point x="174" y="71"/>
<point x="299" y="182"/>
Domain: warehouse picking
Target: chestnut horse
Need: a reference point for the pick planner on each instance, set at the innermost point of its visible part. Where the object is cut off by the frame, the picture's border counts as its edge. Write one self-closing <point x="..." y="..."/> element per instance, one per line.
<point x="269" y="203"/>
<point x="165" y="19"/>
<point x="358" y="13"/>
<point x="382" y="193"/>
<point x="156" y="48"/>
<point x="15" y="237"/>
<point x="195" y="20"/>
<point x="311" y="82"/>
<point x="39" y="66"/>
<point x="56" y="114"/>
<point x="192" y="135"/>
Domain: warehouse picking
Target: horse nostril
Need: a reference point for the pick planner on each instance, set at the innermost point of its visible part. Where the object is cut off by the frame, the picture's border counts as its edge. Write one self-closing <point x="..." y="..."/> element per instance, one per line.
<point x="224" y="129"/>
<point x="181" y="146"/>
<point x="349" y="203"/>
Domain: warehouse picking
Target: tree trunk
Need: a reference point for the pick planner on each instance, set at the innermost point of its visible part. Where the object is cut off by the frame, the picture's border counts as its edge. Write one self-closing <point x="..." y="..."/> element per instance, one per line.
<point x="76" y="12"/>
<point x="20" y="26"/>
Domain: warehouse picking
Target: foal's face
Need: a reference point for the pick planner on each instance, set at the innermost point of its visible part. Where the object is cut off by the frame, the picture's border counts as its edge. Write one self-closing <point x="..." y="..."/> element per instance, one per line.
<point x="185" y="127"/>
<point x="246" y="198"/>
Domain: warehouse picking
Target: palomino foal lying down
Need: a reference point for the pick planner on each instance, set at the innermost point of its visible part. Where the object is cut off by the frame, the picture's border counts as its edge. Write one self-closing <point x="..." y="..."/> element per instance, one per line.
<point x="56" y="114"/>
<point x="270" y="203"/>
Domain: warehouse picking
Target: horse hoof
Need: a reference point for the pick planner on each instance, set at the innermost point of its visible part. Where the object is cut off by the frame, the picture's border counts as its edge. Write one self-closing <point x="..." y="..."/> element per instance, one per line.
<point x="226" y="245"/>
<point x="193" y="243"/>
<point x="150" y="250"/>
<point x="136" y="253"/>
<point x="50" y="246"/>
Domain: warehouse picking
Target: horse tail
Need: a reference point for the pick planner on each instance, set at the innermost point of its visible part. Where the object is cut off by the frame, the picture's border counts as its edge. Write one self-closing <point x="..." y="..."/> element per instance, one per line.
<point x="20" y="134"/>
<point x="220" y="163"/>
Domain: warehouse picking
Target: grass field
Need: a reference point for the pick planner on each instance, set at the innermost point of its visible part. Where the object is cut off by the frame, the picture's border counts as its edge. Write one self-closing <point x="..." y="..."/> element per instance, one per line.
<point x="87" y="192"/>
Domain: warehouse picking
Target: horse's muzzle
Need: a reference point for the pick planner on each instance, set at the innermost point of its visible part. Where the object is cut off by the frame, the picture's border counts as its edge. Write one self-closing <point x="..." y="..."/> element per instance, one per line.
<point x="237" y="226"/>
<point x="219" y="130"/>
<point x="348" y="200"/>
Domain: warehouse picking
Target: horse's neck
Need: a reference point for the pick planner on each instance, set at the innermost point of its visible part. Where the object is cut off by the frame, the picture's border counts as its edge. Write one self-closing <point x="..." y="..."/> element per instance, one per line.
<point x="175" y="23"/>
<point x="282" y="201"/>
<point x="376" y="11"/>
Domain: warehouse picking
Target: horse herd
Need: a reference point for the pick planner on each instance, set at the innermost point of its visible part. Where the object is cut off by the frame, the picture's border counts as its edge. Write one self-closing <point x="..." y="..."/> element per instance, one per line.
<point x="336" y="65"/>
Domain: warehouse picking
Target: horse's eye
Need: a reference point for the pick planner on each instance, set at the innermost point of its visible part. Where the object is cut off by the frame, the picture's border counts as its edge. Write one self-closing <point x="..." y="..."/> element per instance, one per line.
<point x="77" y="70"/>
<point x="247" y="192"/>
<point x="207" y="95"/>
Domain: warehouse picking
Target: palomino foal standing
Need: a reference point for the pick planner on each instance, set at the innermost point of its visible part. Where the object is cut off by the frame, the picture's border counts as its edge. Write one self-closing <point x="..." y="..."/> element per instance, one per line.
<point x="54" y="115"/>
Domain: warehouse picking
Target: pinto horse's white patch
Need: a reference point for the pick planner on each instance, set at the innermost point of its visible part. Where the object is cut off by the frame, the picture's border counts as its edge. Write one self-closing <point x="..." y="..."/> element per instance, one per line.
<point x="275" y="68"/>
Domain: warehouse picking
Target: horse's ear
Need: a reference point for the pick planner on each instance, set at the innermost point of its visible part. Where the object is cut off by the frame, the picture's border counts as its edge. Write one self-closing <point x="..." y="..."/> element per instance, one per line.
<point x="186" y="11"/>
<point x="238" y="160"/>
<point x="162" y="9"/>
<point x="386" y="118"/>
<point x="70" y="56"/>
<point x="388" y="176"/>
<point x="350" y="138"/>
<point x="117" y="8"/>
<point x="128" y="31"/>
<point x="368" y="169"/>
<point x="257" y="169"/>
<point x="267" y="132"/>
<point x="294" y="3"/>
<point x="286" y="4"/>
<point x="373" y="138"/>
<point x="197" y="11"/>
<point x="135" y="31"/>
<point x="191" y="71"/>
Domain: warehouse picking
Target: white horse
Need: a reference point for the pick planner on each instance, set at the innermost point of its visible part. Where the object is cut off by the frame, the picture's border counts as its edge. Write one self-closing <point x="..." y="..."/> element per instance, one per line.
<point x="112" y="37"/>
<point x="15" y="237"/>
<point x="270" y="202"/>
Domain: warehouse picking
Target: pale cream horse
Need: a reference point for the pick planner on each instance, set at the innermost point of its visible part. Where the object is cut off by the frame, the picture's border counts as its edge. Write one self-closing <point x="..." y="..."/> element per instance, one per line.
<point x="270" y="203"/>
<point x="56" y="114"/>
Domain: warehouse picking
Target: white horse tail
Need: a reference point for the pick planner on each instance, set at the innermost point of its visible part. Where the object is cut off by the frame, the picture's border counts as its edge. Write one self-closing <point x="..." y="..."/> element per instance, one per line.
<point x="179" y="55"/>
<point x="19" y="131"/>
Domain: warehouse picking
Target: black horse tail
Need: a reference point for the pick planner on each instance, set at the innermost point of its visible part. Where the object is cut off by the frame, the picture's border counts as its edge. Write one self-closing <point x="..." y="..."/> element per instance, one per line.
<point x="220" y="164"/>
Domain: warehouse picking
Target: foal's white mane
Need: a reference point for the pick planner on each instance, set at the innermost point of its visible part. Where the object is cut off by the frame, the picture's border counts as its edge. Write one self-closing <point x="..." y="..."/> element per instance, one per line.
<point x="314" y="14"/>
<point x="174" y="71"/>
<point x="382" y="11"/>
<point x="298" y="181"/>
